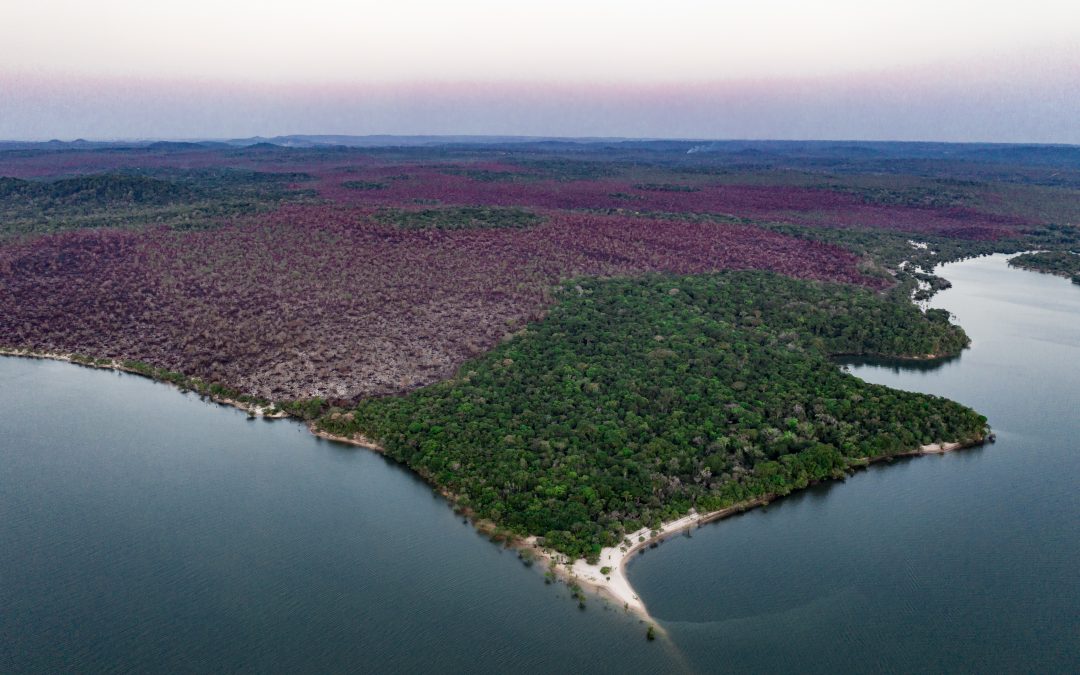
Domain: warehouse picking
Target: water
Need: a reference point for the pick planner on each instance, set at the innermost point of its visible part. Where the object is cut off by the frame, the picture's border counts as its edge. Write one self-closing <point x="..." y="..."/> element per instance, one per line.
<point x="141" y="529"/>
<point x="963" y="562"/>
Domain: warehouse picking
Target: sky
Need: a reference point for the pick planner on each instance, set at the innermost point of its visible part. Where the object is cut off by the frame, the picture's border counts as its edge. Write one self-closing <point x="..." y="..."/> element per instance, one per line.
<point x="953" y="70"/>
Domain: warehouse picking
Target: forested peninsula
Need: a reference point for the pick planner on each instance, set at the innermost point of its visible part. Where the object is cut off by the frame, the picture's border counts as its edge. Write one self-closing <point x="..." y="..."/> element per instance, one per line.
<point x="637" y="400"/>
<point x="574" y="343"/>
<point x="1061" y="263"/>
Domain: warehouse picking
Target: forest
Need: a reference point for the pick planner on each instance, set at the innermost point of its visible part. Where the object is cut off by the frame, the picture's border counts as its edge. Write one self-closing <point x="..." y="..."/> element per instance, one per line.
<point x="573" y="340"/>
<point x="310" y="302"/>
<point x="1061" y="263"/>
<point x="136" y="198"/>
<point x="638" y="399"/>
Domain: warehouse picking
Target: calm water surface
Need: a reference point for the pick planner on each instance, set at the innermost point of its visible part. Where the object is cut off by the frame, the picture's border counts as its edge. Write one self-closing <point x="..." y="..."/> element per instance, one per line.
<point x="144" y="530"/>
<point x="141" y="529"/>
<point x="962" y="562"/>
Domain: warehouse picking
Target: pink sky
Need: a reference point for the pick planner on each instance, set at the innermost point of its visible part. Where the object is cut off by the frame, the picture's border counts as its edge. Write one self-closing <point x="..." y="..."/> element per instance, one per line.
<point x="956" y="71"/>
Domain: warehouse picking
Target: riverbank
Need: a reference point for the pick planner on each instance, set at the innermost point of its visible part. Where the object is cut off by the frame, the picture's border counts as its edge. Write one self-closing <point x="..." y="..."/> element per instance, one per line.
<point x="1064" y="264"/>
<point x="607" y="577"/>
<point x="357" y="439"/>
<point x="252" y="409"/>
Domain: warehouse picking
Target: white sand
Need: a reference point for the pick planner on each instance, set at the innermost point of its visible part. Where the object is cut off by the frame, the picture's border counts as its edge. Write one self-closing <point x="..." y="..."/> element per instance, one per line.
<point x="616" y="587"/>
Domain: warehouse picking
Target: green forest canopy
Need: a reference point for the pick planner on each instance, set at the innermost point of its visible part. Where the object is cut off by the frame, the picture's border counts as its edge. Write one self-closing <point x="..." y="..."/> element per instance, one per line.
<point x="181" y="199"/>
<point x="639" y="399"/>
<point x="1061" y="263"/>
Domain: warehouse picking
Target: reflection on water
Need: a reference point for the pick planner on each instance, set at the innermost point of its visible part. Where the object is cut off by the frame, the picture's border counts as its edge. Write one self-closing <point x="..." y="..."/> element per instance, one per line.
<point x="898" y="365"/>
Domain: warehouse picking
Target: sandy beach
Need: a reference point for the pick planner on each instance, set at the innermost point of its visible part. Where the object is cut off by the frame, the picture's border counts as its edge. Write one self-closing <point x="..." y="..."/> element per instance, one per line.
<point x="614" y="585"/>
<point x="355" y="439"/>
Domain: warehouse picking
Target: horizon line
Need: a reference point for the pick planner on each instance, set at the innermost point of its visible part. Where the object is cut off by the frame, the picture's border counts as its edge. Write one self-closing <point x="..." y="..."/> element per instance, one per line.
<point x="497" y="138"/>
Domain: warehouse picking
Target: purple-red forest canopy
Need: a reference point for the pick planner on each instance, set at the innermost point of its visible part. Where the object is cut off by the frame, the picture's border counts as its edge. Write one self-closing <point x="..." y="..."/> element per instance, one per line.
<point x="347" y="273"/>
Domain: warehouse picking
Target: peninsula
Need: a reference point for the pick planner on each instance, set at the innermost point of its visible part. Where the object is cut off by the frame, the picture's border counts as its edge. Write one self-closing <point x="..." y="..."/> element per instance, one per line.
<point x="584" y="348"/>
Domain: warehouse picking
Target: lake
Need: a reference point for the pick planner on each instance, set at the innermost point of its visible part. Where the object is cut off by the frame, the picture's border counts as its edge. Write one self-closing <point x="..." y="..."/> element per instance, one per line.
<point x="968" y="561"/>
<point x="143" y="529"/>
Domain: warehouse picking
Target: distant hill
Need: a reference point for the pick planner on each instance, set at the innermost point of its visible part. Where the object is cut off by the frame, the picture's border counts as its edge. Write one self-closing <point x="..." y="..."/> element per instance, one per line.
<point x="882" y="156"/>
<point x="169" y="146"/>
<point x="386" y="140"/>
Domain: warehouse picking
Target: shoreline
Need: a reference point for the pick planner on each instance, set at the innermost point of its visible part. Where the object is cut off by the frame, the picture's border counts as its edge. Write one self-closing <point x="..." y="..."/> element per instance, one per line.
<point x="1064" y="274"/>
<point x="614" y="586"/>
<point x="358" y="440"/>
<point x="251" y="409"/>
